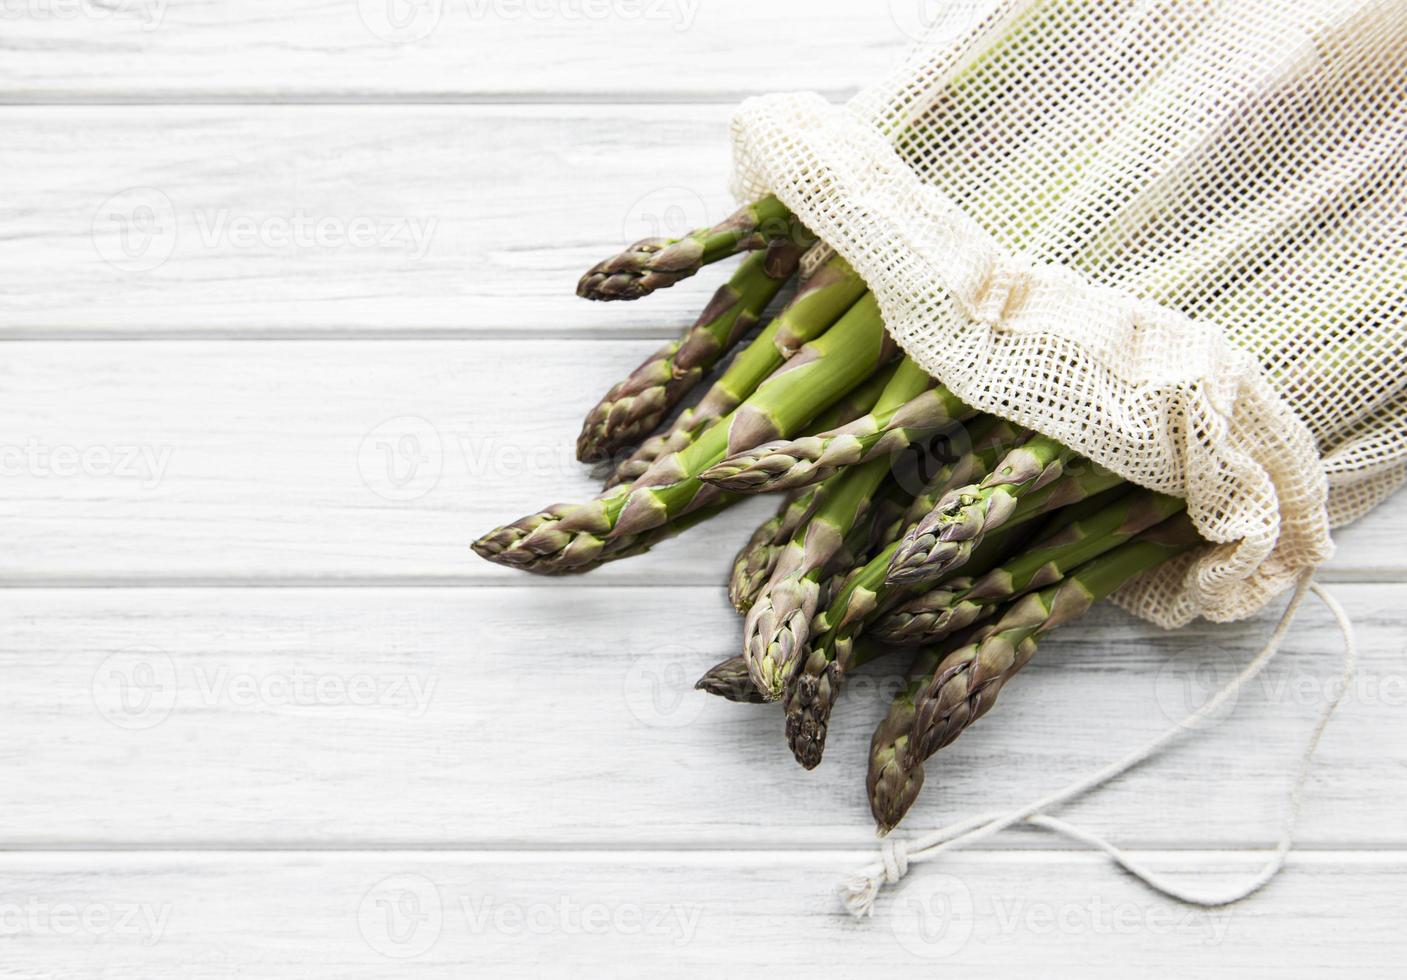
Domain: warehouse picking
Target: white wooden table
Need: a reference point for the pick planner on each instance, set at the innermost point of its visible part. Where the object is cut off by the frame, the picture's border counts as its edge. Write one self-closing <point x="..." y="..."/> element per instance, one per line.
<point x="287" y="293"/>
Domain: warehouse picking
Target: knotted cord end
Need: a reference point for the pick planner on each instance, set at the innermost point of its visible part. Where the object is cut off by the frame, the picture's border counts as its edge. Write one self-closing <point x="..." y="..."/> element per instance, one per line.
<point x="861" y="888"/>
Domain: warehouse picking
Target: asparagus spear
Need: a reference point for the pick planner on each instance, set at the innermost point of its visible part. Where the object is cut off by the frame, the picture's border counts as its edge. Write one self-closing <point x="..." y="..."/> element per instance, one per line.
<point x="730" y="679"/>
<point x="823" y="297"/>
<point x="812" y="673"/>
<point x="959" y="603"/>
<point x="777" y="625"/>
<point x="946" y="537"/>
<point x="857" y="401"/>
<point x="822" y="300"/>
<point x="677" y="437"/>
<point x="656" y="263"/>
<point x="989" y="438"/>
<point x="868" y="591"/>
<point x="757" y="560"/>
<point x="631" y="545"/>
<point x="634" y="408"/>
<point x="999" y="546"/>
<point x="879" y="530"/>
<point x="810" y="459"/>
<point x="570" y="536"/>
<point x="885" y="521"/>
<point x="951" y="687"/>
<point x="815" y="685"/>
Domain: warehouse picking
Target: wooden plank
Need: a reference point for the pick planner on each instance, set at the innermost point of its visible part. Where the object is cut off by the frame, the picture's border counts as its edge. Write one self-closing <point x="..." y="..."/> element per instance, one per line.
<point x="511" y="717"/>
<point x="184" y="461"/>
<point x="367" y="50"/>
<point x="625" y="914"/>
<point x="376" y="461"/>
<point x="387" y="220"/>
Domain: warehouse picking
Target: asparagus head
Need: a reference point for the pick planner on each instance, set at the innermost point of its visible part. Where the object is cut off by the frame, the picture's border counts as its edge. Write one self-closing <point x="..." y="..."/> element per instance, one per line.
<point x="945" y="538"/>
<point x="816" y="308"/>
<point x="815" y="685"/>
<point x="949" y="689"/>
<point x="959" y="603"/>
<point x="893" y="426"/>
<point x="568" y="537"/>
<point x="730" y="680"/>
<point x="657" y="263"/>
<point x="635" y="407"/>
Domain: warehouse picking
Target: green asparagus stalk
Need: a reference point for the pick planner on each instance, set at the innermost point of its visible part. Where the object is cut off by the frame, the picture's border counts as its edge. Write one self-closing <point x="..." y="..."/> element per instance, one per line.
<point x="869" y="591"/>
<point x="823" y="298"/>
<point x="632" y="545"/>
<point x="635" y="407"/>
<point x="810" y="459"/>
<point x="570" y="536"/>
<point x="989" y="439"/>
<point x="880" y="528"/>
<point x="815" y="685"/>
<point x="677" y="437"/>
<point x="811" y="684"/>
<point x="885" y="521"/>
<point x="656" y="263"/>
<point x="820" y="303"/>
<point x="995" y="548"/>
<point x="945" y="538"/>
<point x="757" y="560"/>
<point x="730" y="679"/>
<point x="950" y="688"/>
<point x="778" y="625"/>
<point x="961" y="602"/>
<point x="878" y="531"/>
<point x="857" y="402"/>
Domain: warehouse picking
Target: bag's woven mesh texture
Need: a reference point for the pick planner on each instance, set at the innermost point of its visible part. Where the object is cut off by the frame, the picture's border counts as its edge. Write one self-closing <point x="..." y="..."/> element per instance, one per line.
<point x="1170" y="233"/>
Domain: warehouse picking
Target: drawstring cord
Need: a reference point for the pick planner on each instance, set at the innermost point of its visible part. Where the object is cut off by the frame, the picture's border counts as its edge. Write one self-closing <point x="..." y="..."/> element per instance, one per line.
<point x="897" y="857"/>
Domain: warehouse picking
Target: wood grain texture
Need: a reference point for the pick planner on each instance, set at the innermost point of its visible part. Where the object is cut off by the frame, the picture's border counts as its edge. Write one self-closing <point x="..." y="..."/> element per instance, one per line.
<point x="368" y="50"/>
<point x="302" y="461"/>
<point x="359" y="461"/>
<point x="630" y="914"/>
<point x="521" y="718"/>
<point x="259" y="698"/>
<point x="312" y="220"/>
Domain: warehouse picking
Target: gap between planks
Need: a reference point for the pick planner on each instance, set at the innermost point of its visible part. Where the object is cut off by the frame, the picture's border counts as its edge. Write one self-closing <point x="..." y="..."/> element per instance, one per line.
<point x="187" y="583"/>
<point x="845" y="858"/>
<point x="336" y="334"/>
<point x="79" y="100"/>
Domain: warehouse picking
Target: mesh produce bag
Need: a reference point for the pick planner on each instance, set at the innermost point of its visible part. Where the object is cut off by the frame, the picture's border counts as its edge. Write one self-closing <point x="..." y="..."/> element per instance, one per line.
<point x="1171" y="234"/>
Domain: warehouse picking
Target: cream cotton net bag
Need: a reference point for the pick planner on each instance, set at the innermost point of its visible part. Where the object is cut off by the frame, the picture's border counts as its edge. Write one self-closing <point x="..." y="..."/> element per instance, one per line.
<point x="1172" y="235"/>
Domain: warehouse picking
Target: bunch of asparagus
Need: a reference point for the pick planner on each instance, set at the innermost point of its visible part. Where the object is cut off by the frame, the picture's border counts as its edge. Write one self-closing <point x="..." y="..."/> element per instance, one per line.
<point x="908" y="520"/>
